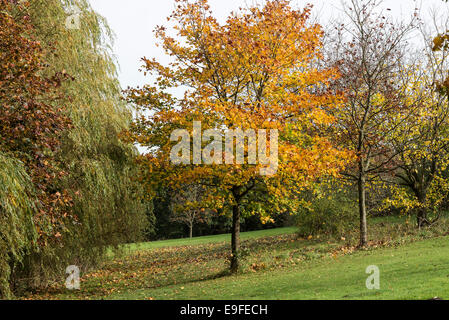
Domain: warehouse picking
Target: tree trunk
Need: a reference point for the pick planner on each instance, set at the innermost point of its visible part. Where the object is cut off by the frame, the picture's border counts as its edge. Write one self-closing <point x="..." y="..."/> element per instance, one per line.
<point x="235" y="241"/>
<point x="421" y="218"/>
<point x="362" y="209"/>
<point x="191" y="231"/>
<point x="421" y="215"/>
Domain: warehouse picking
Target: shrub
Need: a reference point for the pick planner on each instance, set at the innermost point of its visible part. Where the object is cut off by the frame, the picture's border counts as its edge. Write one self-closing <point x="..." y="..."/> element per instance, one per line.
<point x="326" y="216"/>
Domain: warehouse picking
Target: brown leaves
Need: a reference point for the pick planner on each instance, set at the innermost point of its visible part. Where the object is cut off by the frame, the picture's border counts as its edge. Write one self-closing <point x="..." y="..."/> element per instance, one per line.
<point x="440" y="42"/>
<point x="31" y="123"/>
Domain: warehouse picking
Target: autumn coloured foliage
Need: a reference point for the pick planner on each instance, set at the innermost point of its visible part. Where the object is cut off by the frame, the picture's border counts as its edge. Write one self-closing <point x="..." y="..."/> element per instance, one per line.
<point x="258" y="70"/>
<point x="31" y="124"/>
<point x="63" y="169"/>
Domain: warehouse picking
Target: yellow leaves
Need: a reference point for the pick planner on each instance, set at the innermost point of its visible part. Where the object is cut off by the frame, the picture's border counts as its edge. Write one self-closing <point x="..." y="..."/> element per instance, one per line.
<point x="251" y="72"/>
<point x="378" y="99"/>
<point x="439" y="42"/>
<point x="266" y="220"/>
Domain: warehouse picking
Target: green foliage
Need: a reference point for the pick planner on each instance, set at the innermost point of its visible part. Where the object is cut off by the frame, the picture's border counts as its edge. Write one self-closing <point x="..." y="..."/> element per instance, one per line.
<point x="17" y="231"/>
<point x="31" y="126"/>
<point x="326" y="216"/>
<point x="107" y="201"/>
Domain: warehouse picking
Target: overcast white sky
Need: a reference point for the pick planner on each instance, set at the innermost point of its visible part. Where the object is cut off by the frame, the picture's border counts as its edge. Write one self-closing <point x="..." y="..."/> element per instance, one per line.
<point x="133" y="21"/>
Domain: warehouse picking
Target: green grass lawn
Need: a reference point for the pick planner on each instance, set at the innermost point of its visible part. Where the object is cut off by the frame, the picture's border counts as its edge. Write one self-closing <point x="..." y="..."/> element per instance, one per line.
<point x="414" y="271"/>
<point x="210" y="239"/>
<point x="276" y="265"/>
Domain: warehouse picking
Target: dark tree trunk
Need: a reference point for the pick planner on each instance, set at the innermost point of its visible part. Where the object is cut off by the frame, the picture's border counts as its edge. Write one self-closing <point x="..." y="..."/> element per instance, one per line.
<point x="421" y="215"/>
<point x="362" y="209"/>
<point x="421" y="218"/>
<point x="235" y="241"/>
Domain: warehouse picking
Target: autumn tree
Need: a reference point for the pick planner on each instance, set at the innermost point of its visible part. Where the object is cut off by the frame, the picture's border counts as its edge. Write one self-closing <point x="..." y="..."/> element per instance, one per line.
<point x="186" y="207"/>
<point x="369" y="51"/>
<point x="422" y="144"/>
<point x="82" y="174"/>
<point x="108" y="202"/>
<point x="253" y="72"/>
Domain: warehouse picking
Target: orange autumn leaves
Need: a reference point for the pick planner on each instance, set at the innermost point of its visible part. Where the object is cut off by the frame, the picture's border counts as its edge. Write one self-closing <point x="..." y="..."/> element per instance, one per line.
<point x="258" y="70"/>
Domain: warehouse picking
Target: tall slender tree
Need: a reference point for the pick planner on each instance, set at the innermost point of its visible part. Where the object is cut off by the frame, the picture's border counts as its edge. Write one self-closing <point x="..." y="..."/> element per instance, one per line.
<point x="369" y="50"/>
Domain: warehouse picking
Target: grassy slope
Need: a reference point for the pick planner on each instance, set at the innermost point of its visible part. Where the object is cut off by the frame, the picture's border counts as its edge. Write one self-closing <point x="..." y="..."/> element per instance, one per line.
<point x="413" y="264"/>
<point x="415" y="271"/>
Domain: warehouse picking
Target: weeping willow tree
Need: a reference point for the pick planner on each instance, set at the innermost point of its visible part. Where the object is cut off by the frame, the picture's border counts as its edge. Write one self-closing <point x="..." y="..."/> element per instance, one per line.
<point x="31" y="127"/>
<point x="17" y="232"/>
<point x="107" y="207"/>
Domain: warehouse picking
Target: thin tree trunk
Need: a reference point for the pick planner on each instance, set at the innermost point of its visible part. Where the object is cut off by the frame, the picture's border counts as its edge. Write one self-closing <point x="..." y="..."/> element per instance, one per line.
<point x="235" y="241"/>
<point x="191" y="230"/>
<point x="362" y="209"/>
<point x="421" y="215"/>
<point x="421" y="218"/>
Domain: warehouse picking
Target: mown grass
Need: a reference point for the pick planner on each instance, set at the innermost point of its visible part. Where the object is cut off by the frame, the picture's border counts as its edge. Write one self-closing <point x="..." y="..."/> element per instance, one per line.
<point x="415" y="271"/>
<point x="276" y="265"/>
<point x="209" y="239"/>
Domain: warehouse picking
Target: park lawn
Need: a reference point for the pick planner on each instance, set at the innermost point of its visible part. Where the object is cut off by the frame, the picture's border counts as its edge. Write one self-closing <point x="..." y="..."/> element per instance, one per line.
<point x="414" y="271"/>
<point x="277" y="264"/>
<point x="210" y="239"/>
